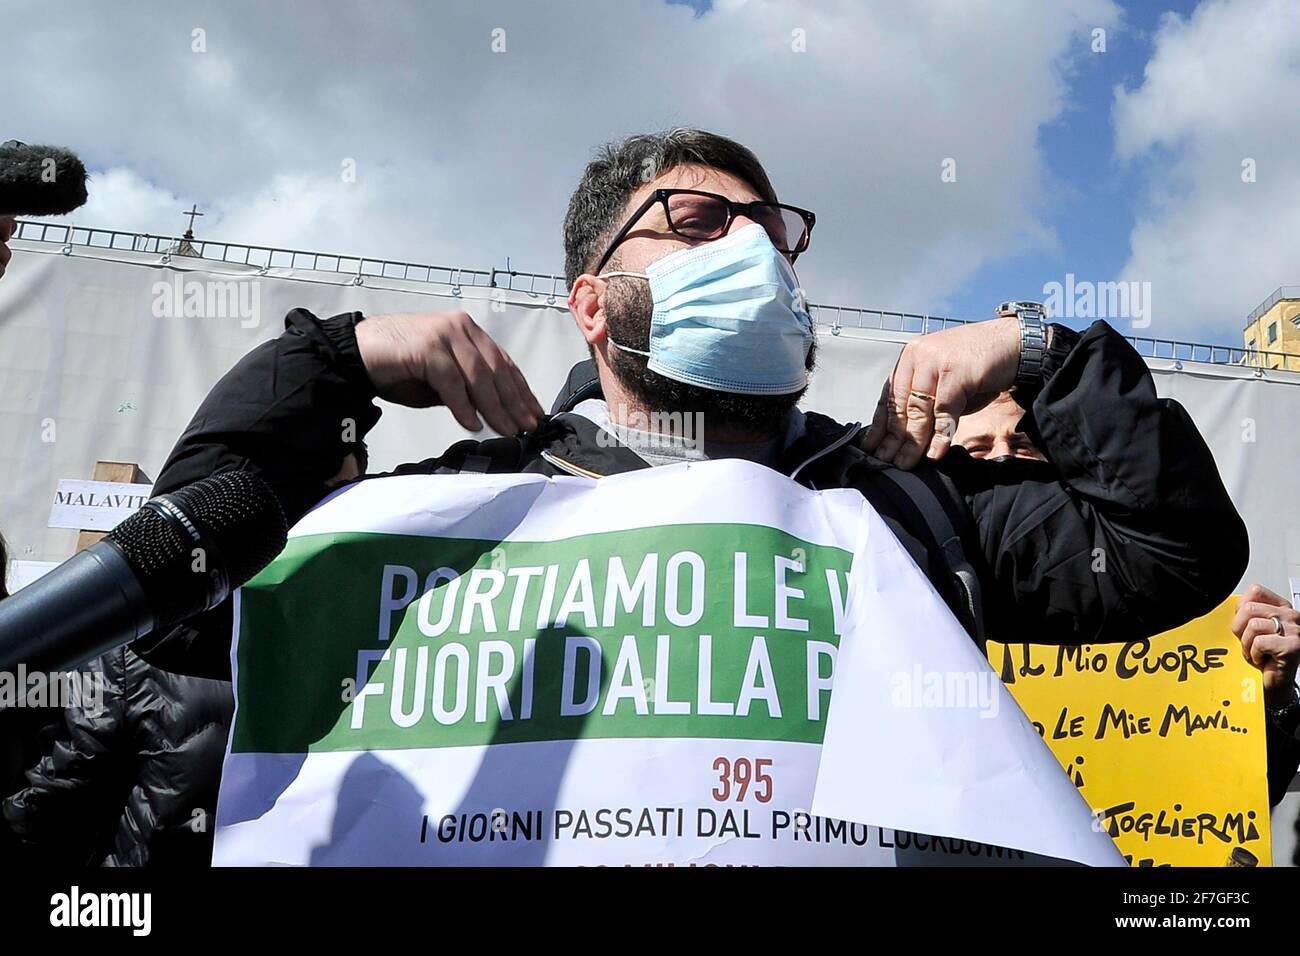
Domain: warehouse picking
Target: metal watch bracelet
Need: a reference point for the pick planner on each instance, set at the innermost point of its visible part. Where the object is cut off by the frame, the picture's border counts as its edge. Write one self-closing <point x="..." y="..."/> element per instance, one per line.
<point x="1033" y="346"/>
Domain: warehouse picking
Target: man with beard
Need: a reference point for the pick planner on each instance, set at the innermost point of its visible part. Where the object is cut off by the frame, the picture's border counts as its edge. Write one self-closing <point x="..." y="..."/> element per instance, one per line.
<point x="680" y="260"/>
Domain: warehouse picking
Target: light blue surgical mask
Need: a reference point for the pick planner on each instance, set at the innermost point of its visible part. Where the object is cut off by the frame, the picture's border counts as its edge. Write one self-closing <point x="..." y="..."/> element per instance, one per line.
<point x="728" y="316"/>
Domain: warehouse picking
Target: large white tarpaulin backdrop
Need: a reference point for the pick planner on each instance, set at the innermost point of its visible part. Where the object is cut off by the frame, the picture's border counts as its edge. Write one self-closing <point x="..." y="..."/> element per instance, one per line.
<point x="90" y="370"/>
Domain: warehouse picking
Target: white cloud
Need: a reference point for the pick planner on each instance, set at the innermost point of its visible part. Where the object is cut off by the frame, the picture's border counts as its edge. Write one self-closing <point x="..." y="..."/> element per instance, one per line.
<point x="465" y="156"/>
<point x="121" y="199"/>
<point x="1221" y="88"/>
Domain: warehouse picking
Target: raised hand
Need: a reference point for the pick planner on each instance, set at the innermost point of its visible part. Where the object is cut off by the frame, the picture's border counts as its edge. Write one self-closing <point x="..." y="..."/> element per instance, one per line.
<point x="444" y="358"/>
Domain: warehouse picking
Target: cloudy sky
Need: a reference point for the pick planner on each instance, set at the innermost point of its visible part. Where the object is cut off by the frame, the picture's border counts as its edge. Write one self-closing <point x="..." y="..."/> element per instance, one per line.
<point x="1108" y="155"/>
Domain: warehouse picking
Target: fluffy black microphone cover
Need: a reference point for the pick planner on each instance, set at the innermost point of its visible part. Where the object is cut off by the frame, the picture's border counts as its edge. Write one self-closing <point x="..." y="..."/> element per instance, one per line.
<point x="40" y="180"/>
<point x="234" y="515"/>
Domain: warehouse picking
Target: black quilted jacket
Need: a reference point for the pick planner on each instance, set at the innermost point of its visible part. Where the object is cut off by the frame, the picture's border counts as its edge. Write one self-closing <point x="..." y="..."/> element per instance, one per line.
<point x="132" y="776"/>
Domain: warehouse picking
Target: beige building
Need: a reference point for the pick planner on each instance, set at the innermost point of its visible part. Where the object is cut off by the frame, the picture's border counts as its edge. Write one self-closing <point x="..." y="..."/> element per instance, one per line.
<point x="1273" y="328"/>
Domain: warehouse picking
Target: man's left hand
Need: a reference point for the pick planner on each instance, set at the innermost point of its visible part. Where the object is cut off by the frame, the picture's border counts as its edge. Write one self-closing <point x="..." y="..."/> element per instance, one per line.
<point x="938" y="378"/>
<point x="8" y="227"/>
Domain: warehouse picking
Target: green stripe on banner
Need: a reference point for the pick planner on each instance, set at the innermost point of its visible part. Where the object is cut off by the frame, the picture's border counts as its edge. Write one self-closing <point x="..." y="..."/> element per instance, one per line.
<point x="650" y="632"/>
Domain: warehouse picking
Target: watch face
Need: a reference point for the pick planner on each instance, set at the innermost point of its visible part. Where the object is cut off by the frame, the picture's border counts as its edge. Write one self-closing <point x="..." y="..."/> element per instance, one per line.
<point x="1017" y="306"/>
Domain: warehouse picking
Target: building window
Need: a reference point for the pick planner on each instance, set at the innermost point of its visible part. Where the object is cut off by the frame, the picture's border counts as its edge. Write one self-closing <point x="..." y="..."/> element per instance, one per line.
<point x="1272" y="333"/>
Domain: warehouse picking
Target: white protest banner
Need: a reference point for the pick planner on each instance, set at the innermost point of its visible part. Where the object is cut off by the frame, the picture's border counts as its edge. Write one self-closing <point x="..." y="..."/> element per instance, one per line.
<point x="95" y="505"/>
<point x="512" y="669"/>
<point x="961" y="756"/>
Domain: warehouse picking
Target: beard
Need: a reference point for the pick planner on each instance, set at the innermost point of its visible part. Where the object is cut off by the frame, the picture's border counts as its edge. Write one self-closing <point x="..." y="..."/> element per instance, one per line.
<point x="629" y="308"/>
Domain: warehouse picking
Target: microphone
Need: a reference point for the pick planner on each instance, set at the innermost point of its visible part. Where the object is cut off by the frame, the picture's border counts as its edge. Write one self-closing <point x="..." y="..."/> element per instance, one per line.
<point x="180" y="554"/>
<point x="40" y="180"/>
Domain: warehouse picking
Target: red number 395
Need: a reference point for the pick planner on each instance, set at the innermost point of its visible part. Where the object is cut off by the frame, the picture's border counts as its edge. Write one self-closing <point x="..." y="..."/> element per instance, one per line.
<point x="739" y="775"/>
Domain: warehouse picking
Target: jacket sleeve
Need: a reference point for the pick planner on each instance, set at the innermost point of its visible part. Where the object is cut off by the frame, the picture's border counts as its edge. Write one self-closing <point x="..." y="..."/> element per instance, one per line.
<point x="290" y="411"/>
<point x="1128" y="530"/>
<point x="68" y="791"/>
<point x="1283" y="759"/>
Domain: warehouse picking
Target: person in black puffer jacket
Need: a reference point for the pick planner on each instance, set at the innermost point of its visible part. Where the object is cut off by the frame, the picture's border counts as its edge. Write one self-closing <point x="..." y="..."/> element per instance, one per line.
<point x="132" y="776"/>
<point x="25" y="734"/>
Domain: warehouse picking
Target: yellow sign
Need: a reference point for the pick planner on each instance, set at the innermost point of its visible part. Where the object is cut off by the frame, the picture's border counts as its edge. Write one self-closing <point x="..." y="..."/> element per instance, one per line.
<point x="1164" y="737"/>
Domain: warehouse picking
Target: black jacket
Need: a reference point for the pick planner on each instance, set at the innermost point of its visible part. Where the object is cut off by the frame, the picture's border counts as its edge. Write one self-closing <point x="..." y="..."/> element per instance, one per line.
<point x="131" y="777"/>
<point x="1131" y="486"/>
<point x="1127" y="531"/>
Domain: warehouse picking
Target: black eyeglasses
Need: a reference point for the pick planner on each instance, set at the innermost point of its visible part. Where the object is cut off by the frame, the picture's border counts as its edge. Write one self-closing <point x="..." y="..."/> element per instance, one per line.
<point x="701" y="216"/>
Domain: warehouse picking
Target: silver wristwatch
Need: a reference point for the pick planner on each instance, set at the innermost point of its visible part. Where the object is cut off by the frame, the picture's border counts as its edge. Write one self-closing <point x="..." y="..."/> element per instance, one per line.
<point x="1033" y="344"/>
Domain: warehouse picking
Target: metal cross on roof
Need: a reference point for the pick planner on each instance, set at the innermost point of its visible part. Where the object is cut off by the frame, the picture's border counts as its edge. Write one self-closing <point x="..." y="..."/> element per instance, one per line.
<point x="194" y="211"/>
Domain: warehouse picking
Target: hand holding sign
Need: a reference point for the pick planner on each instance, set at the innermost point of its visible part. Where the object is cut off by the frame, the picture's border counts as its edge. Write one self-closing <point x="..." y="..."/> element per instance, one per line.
<point x="1269" y="629"/>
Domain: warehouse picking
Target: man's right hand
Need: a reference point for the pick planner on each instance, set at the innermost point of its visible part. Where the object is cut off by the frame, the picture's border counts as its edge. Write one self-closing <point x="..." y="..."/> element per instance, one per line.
<point x="1269" y="629"/>
<point x="444" y="358"/>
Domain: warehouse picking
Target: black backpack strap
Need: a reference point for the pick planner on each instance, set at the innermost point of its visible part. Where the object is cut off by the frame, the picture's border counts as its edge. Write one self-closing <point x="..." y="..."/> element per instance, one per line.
<point x="582" y="383"/>
<point x="923" y="510"/>
<point x="932" y="510"/>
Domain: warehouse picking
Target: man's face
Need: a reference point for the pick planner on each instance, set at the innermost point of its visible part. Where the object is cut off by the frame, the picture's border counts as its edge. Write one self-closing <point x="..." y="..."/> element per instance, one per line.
<point x="627" y="308"/>
<point x="991" y="432"/>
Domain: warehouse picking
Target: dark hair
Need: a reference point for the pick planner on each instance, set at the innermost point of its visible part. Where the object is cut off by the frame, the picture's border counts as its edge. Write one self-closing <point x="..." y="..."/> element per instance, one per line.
<point x="597" y="206"/>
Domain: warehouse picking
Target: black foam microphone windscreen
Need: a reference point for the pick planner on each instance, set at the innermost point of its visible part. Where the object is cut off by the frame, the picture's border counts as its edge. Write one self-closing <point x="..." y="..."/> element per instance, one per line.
<point x="40" y="180"/>
<point x="182" y="553"/>
<point x="190" y="548"/>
